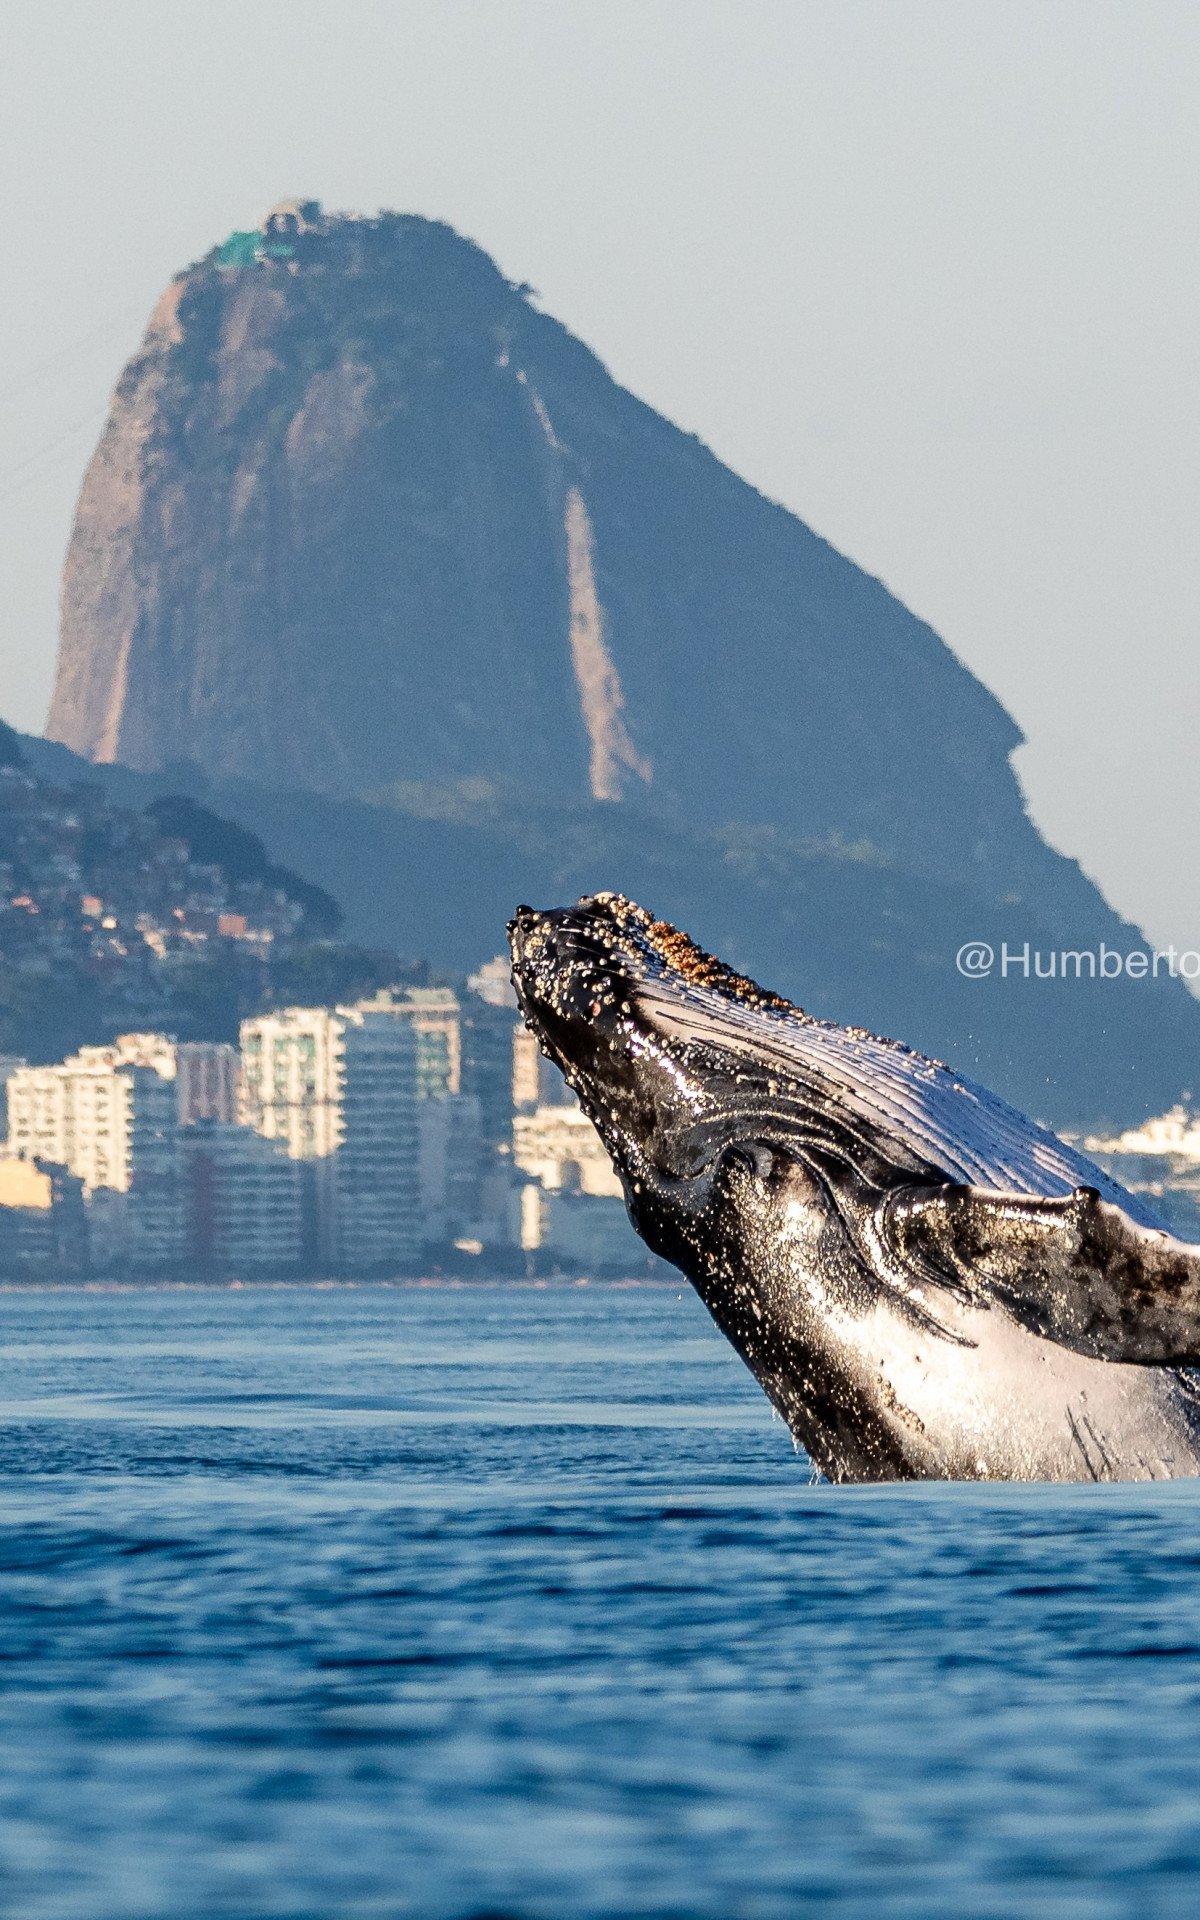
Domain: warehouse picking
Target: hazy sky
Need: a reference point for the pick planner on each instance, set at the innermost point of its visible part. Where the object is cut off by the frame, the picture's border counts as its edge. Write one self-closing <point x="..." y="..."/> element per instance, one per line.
<point x="924" y="270"/>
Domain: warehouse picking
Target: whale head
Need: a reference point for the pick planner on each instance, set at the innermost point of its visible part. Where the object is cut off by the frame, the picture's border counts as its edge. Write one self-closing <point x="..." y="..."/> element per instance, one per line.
<point x="632" y="1014"/>
<point x="685" y="1068"/>
<point x="889" y="1247"/>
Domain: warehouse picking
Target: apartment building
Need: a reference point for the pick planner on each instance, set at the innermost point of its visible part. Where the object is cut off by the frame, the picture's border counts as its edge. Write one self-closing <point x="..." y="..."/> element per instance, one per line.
<point x="43" y="1228"/>
<point x="377" y="1224"/>
<point x="450" y="1168"/>
<point x="9" y="1062"/>
<point x="489" y="1022"/>
<point x="571" y="1205"/>
<point x="436" y="1020"/>
<point x="559" y="1147"/>
<point x="339" y="1089"/>
<point x="207" y="1080"/>
<point x="291" y="1079"/>
<point x="579" y="1229"/>
<point x="109" y="1116"/>
<point x="245" y="1201"/>
<point x="536" y="1081"/>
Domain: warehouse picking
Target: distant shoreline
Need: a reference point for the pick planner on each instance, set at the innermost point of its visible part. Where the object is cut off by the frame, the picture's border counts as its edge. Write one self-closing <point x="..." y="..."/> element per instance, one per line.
<point x="400" y="1283"/>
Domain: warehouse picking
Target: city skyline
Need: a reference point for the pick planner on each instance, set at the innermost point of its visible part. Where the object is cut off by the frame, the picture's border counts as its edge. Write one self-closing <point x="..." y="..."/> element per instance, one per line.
<point x="416" y="1126"/>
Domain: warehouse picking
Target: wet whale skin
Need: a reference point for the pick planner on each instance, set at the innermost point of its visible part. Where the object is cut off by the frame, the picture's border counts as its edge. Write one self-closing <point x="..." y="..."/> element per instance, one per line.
<point x="925" y="1283"/>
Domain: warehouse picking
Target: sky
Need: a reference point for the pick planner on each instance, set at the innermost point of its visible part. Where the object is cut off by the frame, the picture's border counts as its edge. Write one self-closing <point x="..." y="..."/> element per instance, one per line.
<point x="923" y="270"/>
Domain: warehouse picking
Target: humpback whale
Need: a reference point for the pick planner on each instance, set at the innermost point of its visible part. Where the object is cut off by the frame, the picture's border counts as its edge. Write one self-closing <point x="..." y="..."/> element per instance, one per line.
<point x="926" y="1284"/>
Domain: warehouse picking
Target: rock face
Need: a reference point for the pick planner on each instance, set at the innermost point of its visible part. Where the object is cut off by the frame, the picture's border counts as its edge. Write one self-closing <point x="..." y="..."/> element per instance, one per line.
<point x="362" y="517"/>
<point x="452" y="620"/>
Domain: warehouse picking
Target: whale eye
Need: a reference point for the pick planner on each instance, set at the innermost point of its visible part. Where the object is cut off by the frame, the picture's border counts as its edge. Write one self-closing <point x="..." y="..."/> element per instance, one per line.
<point x="753" y="1154"/>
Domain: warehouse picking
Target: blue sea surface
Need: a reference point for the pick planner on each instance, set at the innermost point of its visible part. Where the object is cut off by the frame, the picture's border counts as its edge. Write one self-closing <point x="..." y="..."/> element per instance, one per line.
<point x="514" y="1600"/>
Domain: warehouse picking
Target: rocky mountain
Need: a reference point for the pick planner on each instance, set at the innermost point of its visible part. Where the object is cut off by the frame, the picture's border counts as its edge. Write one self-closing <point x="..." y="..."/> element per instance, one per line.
<point x="430" y="602"/>
<point x="362" y="519"/>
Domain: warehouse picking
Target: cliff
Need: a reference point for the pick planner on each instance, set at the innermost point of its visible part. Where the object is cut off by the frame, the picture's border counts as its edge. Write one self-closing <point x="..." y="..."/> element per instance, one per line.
<point x="450" y="618"/>
<point x="362" y="518"/>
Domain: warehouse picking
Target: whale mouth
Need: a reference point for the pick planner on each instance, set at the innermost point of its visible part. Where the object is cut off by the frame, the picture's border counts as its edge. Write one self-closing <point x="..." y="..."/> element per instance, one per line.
<point x="576" y="971"/>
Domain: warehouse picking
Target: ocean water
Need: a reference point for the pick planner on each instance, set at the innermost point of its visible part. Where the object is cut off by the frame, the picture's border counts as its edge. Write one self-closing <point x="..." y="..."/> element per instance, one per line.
<point x="514" y="1600"/>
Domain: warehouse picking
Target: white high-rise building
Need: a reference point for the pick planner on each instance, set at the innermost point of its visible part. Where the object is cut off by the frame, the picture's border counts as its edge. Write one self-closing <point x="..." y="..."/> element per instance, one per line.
<point x="291" y="1079"/>
<point x="536" y="1081"/>
<point x="339" y="1087"/>
<point x="377" y="1202"/>
<point x="109" y="1115"/>
<point x="571" y="1205"/>
<point x="436" y="1019"/>
<point x="559" y="1147"/>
